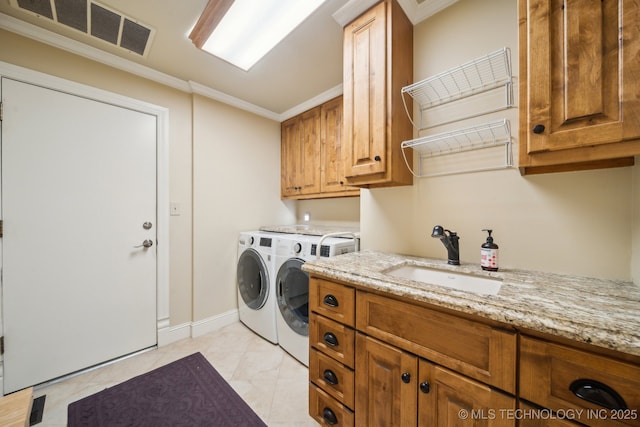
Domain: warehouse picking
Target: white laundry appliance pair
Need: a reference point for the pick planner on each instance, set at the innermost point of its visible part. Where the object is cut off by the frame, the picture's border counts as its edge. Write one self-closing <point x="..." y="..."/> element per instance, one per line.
<point x="273" y="291"/>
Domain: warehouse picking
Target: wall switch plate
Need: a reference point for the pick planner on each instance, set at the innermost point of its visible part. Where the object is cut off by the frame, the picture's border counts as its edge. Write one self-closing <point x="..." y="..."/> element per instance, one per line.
<point x="175" y="209"/>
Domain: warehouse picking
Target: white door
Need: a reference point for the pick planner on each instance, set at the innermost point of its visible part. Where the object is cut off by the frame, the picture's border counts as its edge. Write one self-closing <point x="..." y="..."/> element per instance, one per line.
<point x="78" y="201"/>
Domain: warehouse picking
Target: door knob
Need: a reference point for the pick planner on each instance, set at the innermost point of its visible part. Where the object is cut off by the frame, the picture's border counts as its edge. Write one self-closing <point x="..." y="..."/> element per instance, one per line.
<point x="146" y="244"/>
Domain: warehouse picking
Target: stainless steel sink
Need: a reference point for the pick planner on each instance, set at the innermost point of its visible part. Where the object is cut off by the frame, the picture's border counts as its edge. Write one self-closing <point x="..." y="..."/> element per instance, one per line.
<point x="460" y="281"/>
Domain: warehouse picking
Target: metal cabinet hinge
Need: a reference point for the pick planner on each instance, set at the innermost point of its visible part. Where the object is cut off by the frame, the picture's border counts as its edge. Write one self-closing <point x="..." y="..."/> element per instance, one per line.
<point x="1" y="110"/>
<point x="1" y="227"/>
<point x="2" y="345"/>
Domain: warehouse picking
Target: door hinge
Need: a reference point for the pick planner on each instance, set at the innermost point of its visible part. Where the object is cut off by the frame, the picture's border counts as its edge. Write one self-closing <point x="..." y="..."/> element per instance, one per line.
<point x="1" y="223"/>
<point x="1" y="110"/>
<point x="2" y="345"/>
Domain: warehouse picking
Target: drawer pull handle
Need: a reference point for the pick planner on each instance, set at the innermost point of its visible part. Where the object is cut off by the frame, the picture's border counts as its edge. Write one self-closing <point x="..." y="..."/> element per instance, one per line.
<point x="425" y="387"/>
<point x="330" y="300"/>
<point x="329" y="416"/>
<point x="330" y="339"/>
<point x="330" y="377"/>
<point x="406" y="377"/>
<point x="598" y="393"/>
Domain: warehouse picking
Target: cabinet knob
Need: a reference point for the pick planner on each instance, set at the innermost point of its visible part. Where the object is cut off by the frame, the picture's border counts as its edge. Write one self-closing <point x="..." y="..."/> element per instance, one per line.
<point x="377" y="158"/>
<point x="330" y="377"/>
<point x="538" y="129"/>
<point x="329" y="416"/>
<point x="406" y="377"/>
<point x="330" y="339"/>
<point x="425" y="387"/>
<point x="330" y="300"/>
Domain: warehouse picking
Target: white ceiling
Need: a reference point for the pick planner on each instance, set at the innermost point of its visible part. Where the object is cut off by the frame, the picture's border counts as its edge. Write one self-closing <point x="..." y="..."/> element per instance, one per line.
<point x="307" y="65"/>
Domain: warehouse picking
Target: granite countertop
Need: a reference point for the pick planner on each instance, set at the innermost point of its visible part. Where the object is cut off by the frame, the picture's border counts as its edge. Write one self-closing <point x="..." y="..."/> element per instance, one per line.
<point x="605" y="313"/>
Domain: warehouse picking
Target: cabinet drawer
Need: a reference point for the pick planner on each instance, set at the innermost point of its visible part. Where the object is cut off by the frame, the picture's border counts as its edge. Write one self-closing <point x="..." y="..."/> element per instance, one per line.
<point x="326" y="410"/>
<point x="332" y="376"/>
<point x="334" y="301"/>
<point x="332" y="338"/>
<point x="471" y="348"/>
<point x="548" y="372"/>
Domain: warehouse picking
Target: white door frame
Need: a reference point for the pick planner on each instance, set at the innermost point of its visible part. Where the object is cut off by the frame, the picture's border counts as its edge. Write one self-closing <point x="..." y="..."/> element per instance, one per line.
<point x="162" y="179"/>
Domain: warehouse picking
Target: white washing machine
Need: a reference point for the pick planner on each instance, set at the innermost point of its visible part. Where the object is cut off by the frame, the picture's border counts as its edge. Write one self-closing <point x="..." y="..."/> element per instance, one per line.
<point x="255" y="281"/>
<point x="292" y="287"/>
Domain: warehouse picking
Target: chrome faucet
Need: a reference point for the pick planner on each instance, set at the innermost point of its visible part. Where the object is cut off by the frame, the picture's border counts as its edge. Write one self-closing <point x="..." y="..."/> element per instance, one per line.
<point x="450" y="241"/>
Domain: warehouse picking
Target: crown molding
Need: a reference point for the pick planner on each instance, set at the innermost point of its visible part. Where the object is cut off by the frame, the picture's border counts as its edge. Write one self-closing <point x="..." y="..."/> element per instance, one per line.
<point x="313" y="102"/>
<point x="351" y="10"/>
<point x="214" y="94"/>
<point x="34" y="32"/>
<point x="419" y="12"/>
<point x="414" y="11"/>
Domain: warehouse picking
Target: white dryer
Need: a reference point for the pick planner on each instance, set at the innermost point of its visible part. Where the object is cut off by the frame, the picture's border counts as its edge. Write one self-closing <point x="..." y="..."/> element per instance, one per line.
<point x="255" y="281"/>
<point x="292" y="287"/>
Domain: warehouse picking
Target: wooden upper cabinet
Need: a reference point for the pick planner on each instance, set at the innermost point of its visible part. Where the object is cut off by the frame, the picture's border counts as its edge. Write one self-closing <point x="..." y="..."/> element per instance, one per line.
<point x="378" y="62"/>
<point x="312" y="154"/>
<point x="579" y="78"/>
<point x="300" y="145"/>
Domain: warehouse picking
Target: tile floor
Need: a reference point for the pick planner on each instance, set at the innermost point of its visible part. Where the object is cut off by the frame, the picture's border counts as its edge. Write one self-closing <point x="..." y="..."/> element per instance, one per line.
<point x="272" y="382"/>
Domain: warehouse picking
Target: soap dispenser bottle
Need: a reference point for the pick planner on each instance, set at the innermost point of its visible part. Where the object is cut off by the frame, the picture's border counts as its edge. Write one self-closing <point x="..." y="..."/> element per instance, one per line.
<point x="489" y="254"/>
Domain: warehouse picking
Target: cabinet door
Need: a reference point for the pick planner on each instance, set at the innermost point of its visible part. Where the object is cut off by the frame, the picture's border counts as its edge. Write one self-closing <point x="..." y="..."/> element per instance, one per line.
<point x="300" y="154"/>
<point x="333" y="152"/>
<point x="365" y="93"/>
<point x="579" y="60"/>
<point x="290" y="156"/>
<point x="386" y="384"/>
<point x="449" y="399"/>
<point x="309" y="172"/>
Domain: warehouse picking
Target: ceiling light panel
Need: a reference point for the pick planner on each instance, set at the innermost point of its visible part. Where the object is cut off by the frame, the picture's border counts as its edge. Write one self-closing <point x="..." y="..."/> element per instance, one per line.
<point x="251" y="28"/>
<point x="94" y="19"/>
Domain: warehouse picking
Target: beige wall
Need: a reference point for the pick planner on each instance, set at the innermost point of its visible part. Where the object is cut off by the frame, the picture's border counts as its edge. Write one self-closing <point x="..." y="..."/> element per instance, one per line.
<point x="577" y="223"/>
<point x="342" y="211"/>
<point x="236" y="187"/>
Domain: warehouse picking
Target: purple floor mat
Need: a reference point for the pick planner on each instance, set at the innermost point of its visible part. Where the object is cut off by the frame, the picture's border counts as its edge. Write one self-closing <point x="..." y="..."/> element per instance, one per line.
<point x="187" y="392"/>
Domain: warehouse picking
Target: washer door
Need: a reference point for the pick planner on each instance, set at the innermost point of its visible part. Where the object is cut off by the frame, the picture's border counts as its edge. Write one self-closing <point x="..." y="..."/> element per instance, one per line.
<point x="253" y="279"/>
<point x="293" y="295"/>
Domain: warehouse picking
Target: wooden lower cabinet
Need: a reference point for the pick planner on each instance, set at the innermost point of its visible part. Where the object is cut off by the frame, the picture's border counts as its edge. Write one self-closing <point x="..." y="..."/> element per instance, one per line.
<point x="396" y="388"/>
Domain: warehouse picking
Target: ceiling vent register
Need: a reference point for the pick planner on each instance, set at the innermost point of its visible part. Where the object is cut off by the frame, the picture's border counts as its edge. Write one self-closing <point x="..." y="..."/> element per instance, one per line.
<point x="93" y="19"/>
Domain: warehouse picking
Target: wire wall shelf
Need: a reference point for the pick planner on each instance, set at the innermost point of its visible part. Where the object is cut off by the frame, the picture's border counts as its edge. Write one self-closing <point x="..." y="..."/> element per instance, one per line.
<point x="481" y="136"/>
<point x="480" y="75"/>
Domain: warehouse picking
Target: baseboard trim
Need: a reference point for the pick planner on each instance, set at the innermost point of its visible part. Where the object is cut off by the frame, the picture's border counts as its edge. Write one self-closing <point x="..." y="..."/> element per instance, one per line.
<point x="171" y="334"/>
<point x="214" y="323"/>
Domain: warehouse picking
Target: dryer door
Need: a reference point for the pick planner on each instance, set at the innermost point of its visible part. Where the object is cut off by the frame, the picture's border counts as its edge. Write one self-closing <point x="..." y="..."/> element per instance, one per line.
<point x="253" y="279"/>
<point x="292" y="286"/>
